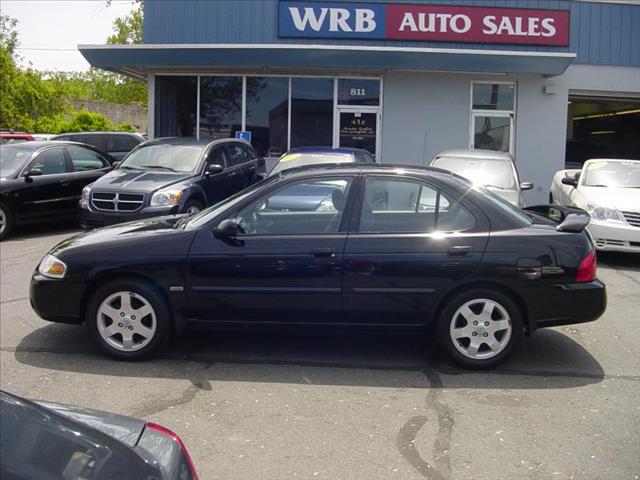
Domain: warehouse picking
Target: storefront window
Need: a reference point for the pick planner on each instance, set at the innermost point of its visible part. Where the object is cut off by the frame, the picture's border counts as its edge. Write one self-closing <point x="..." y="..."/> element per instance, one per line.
<point x="175" y="106"/>
<point x="220" y="106"/>
<point x="267" y="114"/>
<point x="355" y="91"/>
<point x="493" y="96"/>
<point x="311" y="112"/>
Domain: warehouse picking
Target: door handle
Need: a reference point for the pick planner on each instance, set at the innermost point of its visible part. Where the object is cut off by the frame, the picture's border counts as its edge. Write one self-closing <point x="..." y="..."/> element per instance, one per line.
<point x="324" y="253"/>
<point x="459" y="251"/>
<point x="65" y="183"/>
<point x="252" y="167"/>
<point x="233" y="174"/>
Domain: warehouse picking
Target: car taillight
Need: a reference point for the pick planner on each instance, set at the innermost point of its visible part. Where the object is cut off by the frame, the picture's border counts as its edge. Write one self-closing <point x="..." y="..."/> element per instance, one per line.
<point x="587" y="268"/>
<point x="174" y="436"/>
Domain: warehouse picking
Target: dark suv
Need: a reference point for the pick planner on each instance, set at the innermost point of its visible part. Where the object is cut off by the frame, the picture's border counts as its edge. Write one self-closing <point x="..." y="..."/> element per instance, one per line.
<point x="116" y="144"/>
<point x="168" y="176"/>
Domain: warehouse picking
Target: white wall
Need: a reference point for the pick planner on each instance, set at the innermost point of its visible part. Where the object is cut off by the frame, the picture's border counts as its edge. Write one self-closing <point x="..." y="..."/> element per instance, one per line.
<point x="424" y="113"/>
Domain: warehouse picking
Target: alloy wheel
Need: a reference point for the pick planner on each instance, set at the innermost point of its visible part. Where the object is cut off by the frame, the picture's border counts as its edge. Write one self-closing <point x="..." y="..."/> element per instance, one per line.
<point x="193" y="209"/>
<point x="480" y="329"/>
<point x="126" y="321"/>
<point x="3" y="221"/>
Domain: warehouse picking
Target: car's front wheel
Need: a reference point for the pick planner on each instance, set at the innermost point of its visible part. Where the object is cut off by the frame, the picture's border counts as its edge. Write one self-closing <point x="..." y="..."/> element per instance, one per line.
<point x="128" y="320"/>
<point x="192" y="207"/>
<point x="480" y="328"/>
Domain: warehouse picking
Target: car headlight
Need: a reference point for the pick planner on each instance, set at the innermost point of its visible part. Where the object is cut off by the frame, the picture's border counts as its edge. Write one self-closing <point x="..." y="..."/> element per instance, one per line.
<point x="604" y="213"/>
<point x="164" y="198"/>
<point x="86" y="193"/>
<point x="52" y="267"/>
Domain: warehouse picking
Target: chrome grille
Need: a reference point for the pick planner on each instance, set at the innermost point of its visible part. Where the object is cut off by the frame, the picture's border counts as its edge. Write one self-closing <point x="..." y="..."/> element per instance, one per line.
<point x="632" y="218"/>
<point x="116" y="201"/>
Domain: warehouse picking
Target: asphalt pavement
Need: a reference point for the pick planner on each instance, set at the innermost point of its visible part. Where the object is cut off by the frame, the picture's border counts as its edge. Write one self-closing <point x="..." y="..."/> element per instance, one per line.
<point x="352" y="406"/>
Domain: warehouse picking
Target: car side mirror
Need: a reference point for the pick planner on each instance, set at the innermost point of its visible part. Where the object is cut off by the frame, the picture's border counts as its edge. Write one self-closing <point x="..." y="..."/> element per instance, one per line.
<point x="571" y="181"/>
<point x="213" y="169"/>
<point x="526" y="185"/>
<point x="228" y="228"/>
<point x="34" y="172"/>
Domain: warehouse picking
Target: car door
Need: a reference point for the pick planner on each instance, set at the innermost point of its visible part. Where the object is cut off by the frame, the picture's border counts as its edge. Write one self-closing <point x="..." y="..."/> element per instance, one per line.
<point x="49" y="194"/>
<point x="286" y="266"/>
<point x="238" y="171"/>
<point x="255" y="164"/>
<point x="88" y="165"/>
<point x="404" y="252"/>
<point x="217" y="186"/>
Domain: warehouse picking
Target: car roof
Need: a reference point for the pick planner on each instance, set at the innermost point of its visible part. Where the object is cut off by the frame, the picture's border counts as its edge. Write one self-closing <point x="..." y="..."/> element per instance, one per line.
<point x="329" y="150"/>
<point x="38" y="144"/>
<point x="613" y="160"/>
<point x="475" y="154"/>
<point x="203" y="142"/>
<point x="370" y="168"/>
<point x="133" y="134"/>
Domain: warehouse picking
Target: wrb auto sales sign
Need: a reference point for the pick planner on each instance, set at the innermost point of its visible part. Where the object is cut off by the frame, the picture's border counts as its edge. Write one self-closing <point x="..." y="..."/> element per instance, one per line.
<point x="430" y="23"/>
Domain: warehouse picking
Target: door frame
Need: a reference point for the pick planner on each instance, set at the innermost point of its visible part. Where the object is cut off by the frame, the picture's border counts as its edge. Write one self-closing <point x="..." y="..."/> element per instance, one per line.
<point x="358" y="109"/>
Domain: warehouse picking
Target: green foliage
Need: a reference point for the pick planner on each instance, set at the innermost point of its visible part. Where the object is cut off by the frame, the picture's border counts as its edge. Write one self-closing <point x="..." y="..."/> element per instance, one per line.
<point x="38" y="102"/>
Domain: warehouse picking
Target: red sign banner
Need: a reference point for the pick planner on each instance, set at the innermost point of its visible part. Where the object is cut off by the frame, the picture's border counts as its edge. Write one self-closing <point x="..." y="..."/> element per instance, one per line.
<point x="477" y="24"/>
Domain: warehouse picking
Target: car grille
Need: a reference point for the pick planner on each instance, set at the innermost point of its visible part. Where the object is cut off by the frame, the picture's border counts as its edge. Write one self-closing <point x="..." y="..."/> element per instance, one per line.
<point x="632" y="218"/>
<point x="117" y="202"/>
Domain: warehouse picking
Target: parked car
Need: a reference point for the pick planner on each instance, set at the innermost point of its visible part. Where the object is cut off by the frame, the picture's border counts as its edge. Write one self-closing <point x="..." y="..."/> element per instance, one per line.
<point x="426" y="258"/>
<point x="47" y="441"/>
<point x="167" y="176"/>
<point x="610" y="190"/>
<point x="116" y="144"/>
<point x="303" y="156"/>
<point x="43" y="181"/>
<point x="494" y="170"/>
<point x="9" y="136"/>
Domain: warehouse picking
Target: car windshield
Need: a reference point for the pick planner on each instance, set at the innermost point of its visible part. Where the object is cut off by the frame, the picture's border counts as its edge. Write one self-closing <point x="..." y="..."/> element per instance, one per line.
<point x="492" y="173"/>
<point x="171" y="158"/>
<point x="12" y="159"/>
<point x="614" y="174"/>
<point x="293" y="160"/>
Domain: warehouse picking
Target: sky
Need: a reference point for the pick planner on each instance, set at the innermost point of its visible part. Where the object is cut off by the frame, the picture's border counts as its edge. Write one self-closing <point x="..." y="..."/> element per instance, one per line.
<point x="49" y="31"/>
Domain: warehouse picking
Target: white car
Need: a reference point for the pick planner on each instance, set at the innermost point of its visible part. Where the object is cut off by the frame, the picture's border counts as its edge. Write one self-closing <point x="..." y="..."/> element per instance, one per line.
<point x="495" y="171"/>
<point x="609" y="189"/>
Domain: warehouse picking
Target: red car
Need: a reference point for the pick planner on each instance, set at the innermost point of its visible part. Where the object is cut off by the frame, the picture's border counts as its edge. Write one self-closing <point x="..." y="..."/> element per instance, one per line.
<point x="9" y="136"/>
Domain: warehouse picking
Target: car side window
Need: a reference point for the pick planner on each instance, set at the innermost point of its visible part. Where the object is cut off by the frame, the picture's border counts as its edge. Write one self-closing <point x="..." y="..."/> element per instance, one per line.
<point x="407" y="206"/>
<point x="84" y="159"/>
<point x="235" y="154"/>
<point x="305" y="207"/>
<point x="51" y="162"/>
<point x="250" y="154"/>
<point x="217" y="157"/>
<point x="120" y="143"/>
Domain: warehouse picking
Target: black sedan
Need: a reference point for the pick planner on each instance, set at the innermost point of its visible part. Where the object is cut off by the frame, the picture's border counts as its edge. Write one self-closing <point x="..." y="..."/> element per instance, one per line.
<point x="51" y="441"/>
<point x="440" y="252"/>
<point x="170" y="175"/>
<point x="43" y="181"/>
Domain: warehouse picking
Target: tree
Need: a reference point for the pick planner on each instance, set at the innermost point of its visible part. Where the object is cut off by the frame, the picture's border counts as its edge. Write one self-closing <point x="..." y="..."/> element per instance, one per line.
<point x="128" y="30"/>
<point x="8" y="34"/>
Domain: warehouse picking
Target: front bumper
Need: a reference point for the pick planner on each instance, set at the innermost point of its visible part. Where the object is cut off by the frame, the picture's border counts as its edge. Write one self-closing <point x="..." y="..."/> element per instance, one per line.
<point x="615" y="236"/>
<point x="570" y="303"/>
<point x="90" y="218"/>
<point x="56" y="300"/>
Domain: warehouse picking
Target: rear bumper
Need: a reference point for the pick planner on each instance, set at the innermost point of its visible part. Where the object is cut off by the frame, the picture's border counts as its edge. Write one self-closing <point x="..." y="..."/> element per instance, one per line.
<point x="570" y="303"/>
<point x="90" y="218"/>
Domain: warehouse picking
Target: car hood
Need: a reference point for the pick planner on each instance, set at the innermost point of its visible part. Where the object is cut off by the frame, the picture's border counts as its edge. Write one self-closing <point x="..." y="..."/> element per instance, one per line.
<point x="627" y="199"/>
<point x="123" y="179"/>
<point x="151" y="234"/>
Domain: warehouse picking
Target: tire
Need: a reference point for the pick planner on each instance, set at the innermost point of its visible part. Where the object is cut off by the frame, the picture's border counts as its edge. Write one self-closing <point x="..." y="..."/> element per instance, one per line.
<point x="116" y="328"/>
<point x="471" y="347"/>
<point x="192" y="207"/>
<point x="6" y="221"/>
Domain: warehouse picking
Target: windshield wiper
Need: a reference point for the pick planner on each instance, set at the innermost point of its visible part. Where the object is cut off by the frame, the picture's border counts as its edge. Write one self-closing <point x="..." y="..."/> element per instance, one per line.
<point x="130" y="168"/>
<point x="597" y="185"/>
<point x="159" y="167"/>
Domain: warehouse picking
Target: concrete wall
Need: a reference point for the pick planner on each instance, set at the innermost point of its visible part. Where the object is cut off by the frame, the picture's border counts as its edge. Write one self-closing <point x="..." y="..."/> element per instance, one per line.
<point x="118" y="113"/>
<point x="424" y="113"/>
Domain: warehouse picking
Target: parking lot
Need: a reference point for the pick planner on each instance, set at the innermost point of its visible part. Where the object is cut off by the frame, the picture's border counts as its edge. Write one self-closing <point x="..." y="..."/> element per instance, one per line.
<point x="347" y="406"/>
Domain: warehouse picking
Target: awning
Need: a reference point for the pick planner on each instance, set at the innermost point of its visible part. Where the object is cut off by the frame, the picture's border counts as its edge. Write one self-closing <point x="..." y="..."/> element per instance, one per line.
<point x="138" y="60"/>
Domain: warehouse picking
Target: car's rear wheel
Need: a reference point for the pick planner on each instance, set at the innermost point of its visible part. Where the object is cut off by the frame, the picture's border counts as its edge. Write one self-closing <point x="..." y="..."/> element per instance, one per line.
<point x="480" y="328"/>
<point x="6" y="221"/>
<point x="128" y="320"/>
<point x="192" y="207"/>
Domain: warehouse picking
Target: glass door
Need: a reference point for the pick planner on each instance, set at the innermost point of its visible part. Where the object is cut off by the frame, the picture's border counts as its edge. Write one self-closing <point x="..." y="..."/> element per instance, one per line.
<point x="358" y="128"/>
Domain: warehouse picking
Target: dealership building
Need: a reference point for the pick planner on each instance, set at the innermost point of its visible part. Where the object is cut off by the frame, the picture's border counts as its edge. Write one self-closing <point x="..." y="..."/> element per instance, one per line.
<point x="547" y="80"/>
